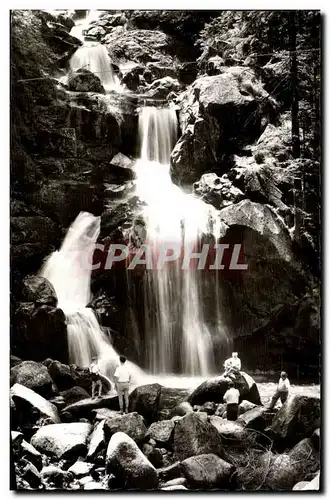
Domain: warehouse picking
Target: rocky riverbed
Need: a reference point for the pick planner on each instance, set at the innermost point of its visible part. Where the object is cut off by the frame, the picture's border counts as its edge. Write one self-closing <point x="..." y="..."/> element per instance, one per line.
<point x="171" y="439"/>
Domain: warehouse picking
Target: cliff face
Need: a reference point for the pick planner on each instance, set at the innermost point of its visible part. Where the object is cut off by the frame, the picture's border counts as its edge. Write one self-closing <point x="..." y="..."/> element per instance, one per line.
<point x="234" y="151"/>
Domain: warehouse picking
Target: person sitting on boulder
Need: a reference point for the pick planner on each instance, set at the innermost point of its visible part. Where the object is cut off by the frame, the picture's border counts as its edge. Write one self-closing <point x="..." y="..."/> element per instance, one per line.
<point x="282" y="391"/>
<point x="122" y="377"/>
<point x="232" y="366"/>
<point x="231" y="397"/>
<point x="95" y="374"/>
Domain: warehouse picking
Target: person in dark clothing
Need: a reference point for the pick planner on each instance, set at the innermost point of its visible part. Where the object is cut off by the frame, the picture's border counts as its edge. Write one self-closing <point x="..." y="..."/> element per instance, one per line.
<point x="231" y="397"/>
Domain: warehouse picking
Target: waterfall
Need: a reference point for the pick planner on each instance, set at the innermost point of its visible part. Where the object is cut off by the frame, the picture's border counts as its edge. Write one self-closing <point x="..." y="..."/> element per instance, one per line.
<point x="69" y="272"/>
<point x="177" y="336"/>
<point x="93" y="55"/>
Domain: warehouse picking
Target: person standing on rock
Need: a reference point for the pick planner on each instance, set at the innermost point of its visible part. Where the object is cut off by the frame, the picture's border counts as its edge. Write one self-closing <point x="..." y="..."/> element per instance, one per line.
<point x="95" y="374"/>
<point x="232" y="366"/>
<point x="122" y="377"/>
<point x="282" y="391"/>
<point x="231" y="397"/>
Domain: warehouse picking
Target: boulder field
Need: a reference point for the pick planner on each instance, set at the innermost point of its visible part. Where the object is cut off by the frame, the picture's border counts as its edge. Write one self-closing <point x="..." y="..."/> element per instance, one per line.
<point x="162" y="443"/>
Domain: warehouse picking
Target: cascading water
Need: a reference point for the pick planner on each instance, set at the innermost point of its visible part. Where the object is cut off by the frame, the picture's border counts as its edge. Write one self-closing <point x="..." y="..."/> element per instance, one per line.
<point x="92" y="55"/>
<point x="177" y="336"/>
<point x="69" y="271"/>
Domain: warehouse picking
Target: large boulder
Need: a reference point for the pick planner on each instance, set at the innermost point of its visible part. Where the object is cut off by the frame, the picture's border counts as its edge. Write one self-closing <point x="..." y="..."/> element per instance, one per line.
<point x="159" y="89"/>
<point x="207" y="471"/>
<point x="296" y="419"/>
<point x="213" y="389"/>
<point x="61" y="375"/>
<point x="145" y="400"/>
<point x="85" y="81"/>
<point x="126" y="461"/>
<point x="28" y="402"/>
<point x="258" y="182"/>
<point x="212" y="109"/>
<point x="131" y="424"/>
<point x="86" y="406"/>
<point x="193" y="435"/>
<point x="32" y="375"/>
<point x="39" y="325"/>
<point x="139" y="46"/>
<point x="39" y="290"/>
<point x="161" y="432"/>
<point x="62" y="440"/>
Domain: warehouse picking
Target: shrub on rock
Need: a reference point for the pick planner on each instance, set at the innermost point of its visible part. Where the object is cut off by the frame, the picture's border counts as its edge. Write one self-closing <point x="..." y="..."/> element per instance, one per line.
<point x="207" y="471"/>
<point x="213" y="389"/>
<point x="193" y="435"/>
<point x="127" y="462"/>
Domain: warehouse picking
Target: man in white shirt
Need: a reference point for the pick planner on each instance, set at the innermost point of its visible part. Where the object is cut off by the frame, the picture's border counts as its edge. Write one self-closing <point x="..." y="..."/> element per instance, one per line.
<point x="282" y="391"/>
<point x="232" y="366"/>
<point x="231" y="397"/>
<point x="122" y="377"/>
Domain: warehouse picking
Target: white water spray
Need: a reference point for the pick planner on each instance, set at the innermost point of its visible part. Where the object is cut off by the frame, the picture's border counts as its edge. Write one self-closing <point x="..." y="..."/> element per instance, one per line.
<point x="69" y="271"/>
<point x="174" y="318"/>
<point x="93" y="55"/>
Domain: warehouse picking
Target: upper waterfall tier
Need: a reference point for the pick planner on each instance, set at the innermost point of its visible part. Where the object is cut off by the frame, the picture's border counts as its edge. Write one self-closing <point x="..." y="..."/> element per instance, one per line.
<point x="157" y="133"/>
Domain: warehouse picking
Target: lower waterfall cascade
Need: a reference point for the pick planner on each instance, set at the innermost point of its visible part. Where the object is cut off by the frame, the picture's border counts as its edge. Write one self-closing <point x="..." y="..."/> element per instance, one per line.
<point x="68" y="271"/>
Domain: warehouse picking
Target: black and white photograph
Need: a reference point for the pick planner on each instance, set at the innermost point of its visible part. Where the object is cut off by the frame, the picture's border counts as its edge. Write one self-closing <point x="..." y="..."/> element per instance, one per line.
<point x="165" y="250"/>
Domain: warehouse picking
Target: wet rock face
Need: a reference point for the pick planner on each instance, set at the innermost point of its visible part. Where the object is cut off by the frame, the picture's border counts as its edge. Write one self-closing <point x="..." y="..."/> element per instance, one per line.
<point x="32" y="375"/>
<point x="211" y="111"/>
<point x="85" y="81"/>
<point x="218" y="191"/>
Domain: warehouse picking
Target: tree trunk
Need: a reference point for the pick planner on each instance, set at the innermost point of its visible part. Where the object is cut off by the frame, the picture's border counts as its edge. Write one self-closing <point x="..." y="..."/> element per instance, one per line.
<point x="294" y="85"/>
